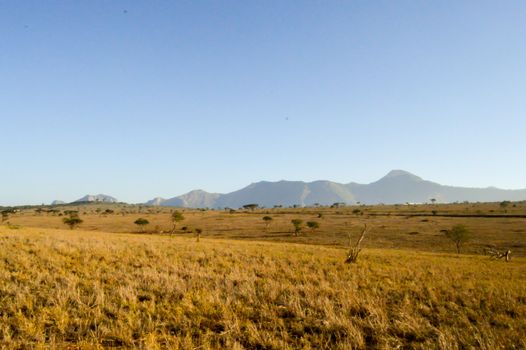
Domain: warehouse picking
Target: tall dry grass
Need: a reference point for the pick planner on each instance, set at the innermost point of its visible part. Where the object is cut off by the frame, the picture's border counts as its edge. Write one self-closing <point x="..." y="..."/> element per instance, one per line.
<point x="84" y="289"/>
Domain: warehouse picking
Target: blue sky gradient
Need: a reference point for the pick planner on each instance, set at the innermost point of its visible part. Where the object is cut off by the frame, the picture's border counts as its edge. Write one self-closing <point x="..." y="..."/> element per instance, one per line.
<point x="139" y="99"/>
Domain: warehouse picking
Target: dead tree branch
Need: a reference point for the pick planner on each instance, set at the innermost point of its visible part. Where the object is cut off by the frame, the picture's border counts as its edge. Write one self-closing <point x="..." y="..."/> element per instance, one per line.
<point x="352" y="255"/>
<point x="496" y="254"/>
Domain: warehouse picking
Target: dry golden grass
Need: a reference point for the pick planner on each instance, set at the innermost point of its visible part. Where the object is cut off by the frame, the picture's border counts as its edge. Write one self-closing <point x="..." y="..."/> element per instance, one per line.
<point x="389" y="231"/>
<point x="86" y="289"/>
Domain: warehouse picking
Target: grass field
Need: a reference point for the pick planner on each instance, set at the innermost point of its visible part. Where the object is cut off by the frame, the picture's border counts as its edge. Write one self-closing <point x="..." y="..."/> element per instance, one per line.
<point x="266" y="289"/>
<point x="391" y="227"/>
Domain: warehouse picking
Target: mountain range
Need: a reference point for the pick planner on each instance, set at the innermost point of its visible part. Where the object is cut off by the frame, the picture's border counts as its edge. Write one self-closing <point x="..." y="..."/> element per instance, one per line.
<point x="398" y="186"/>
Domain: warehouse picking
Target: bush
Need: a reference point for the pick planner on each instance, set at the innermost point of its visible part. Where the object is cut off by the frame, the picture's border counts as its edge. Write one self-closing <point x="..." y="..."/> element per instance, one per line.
<point x="72" y="221"/>
<point x="141" y="223"/>
<point x="313" y="225"/>
<point x="297" y="223"/>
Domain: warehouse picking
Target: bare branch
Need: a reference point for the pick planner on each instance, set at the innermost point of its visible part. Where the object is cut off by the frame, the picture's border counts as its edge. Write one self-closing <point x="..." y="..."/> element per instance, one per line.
<point x="361" y="236"/>
<point x="496" y="254"/>
<point x="352" y="255"/>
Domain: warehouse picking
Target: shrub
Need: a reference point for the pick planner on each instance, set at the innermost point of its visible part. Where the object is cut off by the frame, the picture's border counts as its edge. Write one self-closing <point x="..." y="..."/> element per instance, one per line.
<point x="72" y="221"/>
<point x="141" y="223"/>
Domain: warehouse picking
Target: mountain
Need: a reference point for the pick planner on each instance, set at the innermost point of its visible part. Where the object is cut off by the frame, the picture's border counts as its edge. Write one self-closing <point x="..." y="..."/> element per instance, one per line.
<point x="287" y="193"/>
<point x="57" y="202"/>
<point x="97" y="198"/>
<point x="398" y="186"/>
<point x="193" y="199"/>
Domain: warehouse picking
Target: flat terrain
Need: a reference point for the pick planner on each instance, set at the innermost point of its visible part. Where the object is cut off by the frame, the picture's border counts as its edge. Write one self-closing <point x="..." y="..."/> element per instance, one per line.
<point x="61" y="288"/>
<point x="406" y="227"/>
<point x="248" y="286"/>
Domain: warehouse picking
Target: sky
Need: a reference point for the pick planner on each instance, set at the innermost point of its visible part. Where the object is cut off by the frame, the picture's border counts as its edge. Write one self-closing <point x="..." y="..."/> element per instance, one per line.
<point x="139" y="99"/>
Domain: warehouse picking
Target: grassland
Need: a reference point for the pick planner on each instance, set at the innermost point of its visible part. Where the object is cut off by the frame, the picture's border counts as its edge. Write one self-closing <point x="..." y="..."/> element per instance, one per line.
<point x="406" y="227"/>
<point x="247" y="287"/>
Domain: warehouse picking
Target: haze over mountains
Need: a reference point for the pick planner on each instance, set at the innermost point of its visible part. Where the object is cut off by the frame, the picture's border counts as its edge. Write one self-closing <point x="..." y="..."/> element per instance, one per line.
<point x="96" y="198"/>
<point x="398" y="186"/>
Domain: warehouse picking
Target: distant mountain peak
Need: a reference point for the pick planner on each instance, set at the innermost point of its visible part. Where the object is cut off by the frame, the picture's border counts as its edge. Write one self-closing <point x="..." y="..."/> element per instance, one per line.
<point x="97" y="198"/>
<point x="397" y="173"/>
<point x="198" y="191"/>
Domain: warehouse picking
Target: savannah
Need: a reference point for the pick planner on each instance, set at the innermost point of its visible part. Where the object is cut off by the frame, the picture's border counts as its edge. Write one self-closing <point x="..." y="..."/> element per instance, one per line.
<point x="257" y="151"/>
<point x="218" y="279"/>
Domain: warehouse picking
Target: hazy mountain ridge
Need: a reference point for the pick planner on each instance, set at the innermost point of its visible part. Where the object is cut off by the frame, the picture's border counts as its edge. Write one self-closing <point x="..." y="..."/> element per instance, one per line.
<point x="192" y="199"/>
<point x="398" y="186"/>
<point x="97" y="198"/>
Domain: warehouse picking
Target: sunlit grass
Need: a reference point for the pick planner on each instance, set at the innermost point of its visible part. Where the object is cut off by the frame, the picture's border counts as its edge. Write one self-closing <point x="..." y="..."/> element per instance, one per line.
<point x="60" y="287"/>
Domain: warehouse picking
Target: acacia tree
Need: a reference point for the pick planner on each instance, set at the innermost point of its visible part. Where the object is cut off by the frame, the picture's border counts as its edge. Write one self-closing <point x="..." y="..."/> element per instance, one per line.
<point x="267" y="220"/>
<point x="198" y="232"/>
<point x="459" y="234"/>
<point x="141" y="223"/>
<point x="72" y="221"/>
<point x="176" y="217"/>
<point x="313" y="225"/>
<point x="251" y="206"/>
<point x="297" y="223"/>
<point x="504" y="205"/>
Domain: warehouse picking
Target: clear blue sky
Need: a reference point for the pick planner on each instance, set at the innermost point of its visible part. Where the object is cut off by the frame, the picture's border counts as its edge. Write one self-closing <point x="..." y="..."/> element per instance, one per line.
<point x="139" y="99"/>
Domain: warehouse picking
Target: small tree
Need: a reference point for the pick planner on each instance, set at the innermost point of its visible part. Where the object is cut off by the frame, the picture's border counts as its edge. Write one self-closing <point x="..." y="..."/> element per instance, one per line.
<point x="251" y="206"/>
<point x="433" y="200"/>
<point x="141" y="223"/>
<point x="313" y="225"/>
<point x="5" y="215"/>
<point x="198" y="232"/>
<point x="267" y="220"/>
<point x="297" y="223"/>
<point x="459" y="234"/>
<point x="176" y="217"/>
<point x="72" y="221"/>
<point x="504" y="205"/>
